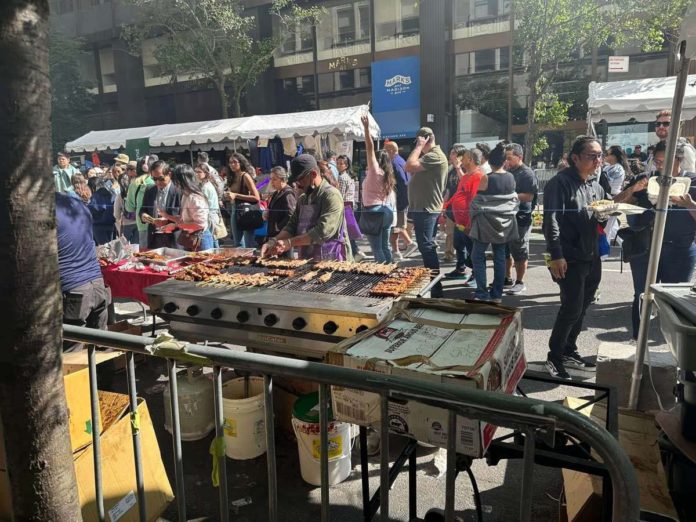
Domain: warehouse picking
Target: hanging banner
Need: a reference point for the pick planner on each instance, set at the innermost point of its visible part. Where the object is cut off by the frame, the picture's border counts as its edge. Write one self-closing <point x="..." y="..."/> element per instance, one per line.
<point x="396" y="96"/>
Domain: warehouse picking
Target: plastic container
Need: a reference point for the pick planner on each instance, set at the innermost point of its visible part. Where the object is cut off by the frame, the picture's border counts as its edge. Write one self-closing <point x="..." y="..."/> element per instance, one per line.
<point x="245" y="421"/>
<point x="680" y="186"/>
<point x="305" y="423"/>
<point x="196" y="405"/>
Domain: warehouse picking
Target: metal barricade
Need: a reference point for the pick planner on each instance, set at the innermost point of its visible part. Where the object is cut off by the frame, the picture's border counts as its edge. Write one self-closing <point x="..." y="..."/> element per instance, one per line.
<point x="543" y="177"/>
<point x="534" y="418"/>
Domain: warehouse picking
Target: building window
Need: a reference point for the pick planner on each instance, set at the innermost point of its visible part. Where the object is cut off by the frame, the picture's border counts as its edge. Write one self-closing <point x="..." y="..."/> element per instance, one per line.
<point x="107" y="69"/>
<point x="474" y="12"/>
<point x="345" y="24"/>
<point x="298" y="41"/>
<point x="65" y="6"/>
<point x="409" y="17"/>
<point x="299" y="85"/>
<point x="484" y="60"/>
<point x="345" y="80"/>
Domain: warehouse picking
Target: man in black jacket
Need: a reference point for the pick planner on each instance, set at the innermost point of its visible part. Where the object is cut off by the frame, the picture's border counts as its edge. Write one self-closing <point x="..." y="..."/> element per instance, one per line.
<point x="164" y="196"/>
<point x="572" y="239"/>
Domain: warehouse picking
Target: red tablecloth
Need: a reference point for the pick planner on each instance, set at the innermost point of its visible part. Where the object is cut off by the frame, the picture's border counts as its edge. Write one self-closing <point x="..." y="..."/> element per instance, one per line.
<point x="130" y="284"/>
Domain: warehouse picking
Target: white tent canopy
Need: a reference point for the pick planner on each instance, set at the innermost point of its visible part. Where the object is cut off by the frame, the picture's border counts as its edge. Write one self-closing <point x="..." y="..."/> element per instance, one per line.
<point x="108" y="139"/>
<point x="638" y="99"/>
<point x="343" y="122"/>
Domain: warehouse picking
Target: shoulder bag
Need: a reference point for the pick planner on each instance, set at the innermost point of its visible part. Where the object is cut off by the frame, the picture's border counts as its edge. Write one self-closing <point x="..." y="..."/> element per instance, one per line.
<point x="249" y="215"/>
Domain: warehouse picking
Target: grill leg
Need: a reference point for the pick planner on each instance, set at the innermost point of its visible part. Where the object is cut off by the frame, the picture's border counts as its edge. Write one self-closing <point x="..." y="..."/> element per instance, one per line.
<point x="270" y="449"/>
<point x="324" y="457"/>
<point x="96" y="441"/>
<point x="176" y="439"/>
<point x="527" y="477"/>
<point x="365" y="475"/>
<point x="220" y="434"/>
<point x="133" y="399"/>
<point x="384" y="464"/>
<point x="451" y="474"/>
<point x="412" y="488"/>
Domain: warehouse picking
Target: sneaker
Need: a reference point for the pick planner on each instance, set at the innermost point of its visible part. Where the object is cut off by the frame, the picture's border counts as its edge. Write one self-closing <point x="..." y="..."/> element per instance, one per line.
<point x="556" y="369"/>
<point x="457" y="274"/>
<point x="410" y="250"/>
<point x="517" y="288"/>
<point x="574" y="360"/>
<point x="398" y="256"/>
<point x="596" y="297"/>
<point x="359" y="257"/>
<point x="508" y="283"/>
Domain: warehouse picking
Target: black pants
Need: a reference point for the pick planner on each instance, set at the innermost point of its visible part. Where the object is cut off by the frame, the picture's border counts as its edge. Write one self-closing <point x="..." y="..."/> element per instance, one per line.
<point x="87" y="306"/>
<point x="577" y="291"/>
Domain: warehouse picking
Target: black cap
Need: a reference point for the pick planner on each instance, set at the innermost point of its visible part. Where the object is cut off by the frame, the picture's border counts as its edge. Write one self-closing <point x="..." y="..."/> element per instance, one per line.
<point x="301" y="165"/>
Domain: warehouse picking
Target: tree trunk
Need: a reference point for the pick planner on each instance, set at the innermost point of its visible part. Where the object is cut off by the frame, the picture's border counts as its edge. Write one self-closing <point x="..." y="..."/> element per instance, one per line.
<point x="32" y="397"/>
<point x="237" y="104"/>
<point x="224" y="100"/>
<point x="530" y="136"/>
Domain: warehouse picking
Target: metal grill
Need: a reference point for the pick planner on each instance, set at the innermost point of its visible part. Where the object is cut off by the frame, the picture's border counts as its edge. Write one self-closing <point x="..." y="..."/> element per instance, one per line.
<point x="354" y="285"/>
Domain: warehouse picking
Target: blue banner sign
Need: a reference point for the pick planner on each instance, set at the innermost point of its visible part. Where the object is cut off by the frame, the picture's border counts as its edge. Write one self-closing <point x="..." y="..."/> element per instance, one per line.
<point x="396" y="96"/>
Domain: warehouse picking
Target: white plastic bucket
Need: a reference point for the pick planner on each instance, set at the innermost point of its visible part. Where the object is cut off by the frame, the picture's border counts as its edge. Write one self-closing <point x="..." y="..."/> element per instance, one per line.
<point x="245" y="424"/>
<point x="309" y="448"/>
<point x="196" y="405"/>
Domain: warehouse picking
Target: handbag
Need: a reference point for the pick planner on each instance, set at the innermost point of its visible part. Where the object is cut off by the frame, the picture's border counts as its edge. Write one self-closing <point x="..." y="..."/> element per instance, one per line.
<point x="371" y="222"/>
<point x="635" y="242"/>
<point x="190" y="241"/>
<point x="220" y="230"/>
<point x="249" y="217"/>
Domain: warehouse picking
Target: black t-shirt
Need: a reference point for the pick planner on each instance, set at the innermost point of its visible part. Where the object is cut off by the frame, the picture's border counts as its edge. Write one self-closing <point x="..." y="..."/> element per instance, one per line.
<point x="499" y="183"/>
<point x="526" y="183"/>
<point x="680" y="227"/>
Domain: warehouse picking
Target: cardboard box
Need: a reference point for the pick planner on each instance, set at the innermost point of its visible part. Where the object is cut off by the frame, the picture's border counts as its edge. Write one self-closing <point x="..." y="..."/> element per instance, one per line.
<point x="127" y="328"/>
<point x="443" y="341"/>
<point x="638" y="438"/>
<point x="77" y="397"/>
<point x="118" y="467"/>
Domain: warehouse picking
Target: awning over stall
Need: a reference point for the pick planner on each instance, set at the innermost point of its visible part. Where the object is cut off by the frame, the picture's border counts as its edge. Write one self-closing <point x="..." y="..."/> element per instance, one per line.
<point x="638" y="99"/>
<point x="344" y="122"/>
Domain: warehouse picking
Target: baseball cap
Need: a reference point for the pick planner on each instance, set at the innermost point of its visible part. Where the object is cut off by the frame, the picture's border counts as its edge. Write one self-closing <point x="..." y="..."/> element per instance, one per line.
<point x="425" y="132"/>
<point x="301" y="165"/>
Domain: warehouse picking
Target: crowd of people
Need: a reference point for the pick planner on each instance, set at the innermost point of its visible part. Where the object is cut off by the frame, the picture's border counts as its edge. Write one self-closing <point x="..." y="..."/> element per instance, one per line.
<point x="482" y="198"/>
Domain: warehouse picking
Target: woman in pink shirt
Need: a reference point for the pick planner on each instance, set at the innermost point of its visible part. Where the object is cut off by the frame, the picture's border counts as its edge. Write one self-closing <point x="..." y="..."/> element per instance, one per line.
<point x="195" y="209"/>
<point x="378" y="199"/>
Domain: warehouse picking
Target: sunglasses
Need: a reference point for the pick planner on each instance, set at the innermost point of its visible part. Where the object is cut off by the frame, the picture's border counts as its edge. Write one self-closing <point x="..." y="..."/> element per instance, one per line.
<point x="593" y="157"/>
<point x="662" y="124"/>
<point x="160" y="178"/>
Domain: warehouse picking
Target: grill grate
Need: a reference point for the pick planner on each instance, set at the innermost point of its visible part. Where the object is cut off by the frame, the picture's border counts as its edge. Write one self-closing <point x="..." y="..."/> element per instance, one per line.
<point x="355" y="285"/>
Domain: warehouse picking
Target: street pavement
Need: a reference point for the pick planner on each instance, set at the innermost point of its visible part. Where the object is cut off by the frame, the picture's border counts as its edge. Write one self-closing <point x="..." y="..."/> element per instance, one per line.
<point x="608" y="320"/>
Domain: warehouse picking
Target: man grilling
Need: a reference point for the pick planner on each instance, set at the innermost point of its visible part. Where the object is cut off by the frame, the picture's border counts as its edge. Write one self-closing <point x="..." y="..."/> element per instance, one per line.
<point x="317" y="228"/>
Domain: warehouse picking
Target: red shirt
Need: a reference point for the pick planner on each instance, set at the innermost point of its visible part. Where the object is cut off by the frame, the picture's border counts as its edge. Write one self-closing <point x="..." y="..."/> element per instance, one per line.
<point x="462" y="198"/>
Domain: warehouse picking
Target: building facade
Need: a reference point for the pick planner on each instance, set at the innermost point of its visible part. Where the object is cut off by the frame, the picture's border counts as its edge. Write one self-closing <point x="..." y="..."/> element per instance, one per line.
<point x="461" y="48"/>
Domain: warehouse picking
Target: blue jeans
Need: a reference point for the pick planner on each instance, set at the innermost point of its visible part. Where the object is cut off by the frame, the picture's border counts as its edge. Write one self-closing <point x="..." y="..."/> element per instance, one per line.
<point x="478" y="257"/>
<point x="380" y="243"/>
<point x="463" y="245"/>
<point x="206" y="240"/>
<point x="676" y="266"/>
<point x="425" y="228"/>
<point x="240" y="238"/>
<point x="130" y="232"/>
<point x="143" y="239"/>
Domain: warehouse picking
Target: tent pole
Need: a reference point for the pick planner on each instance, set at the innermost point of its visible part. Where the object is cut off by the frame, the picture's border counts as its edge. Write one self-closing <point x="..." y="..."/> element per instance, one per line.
<point x="665" y="182"/>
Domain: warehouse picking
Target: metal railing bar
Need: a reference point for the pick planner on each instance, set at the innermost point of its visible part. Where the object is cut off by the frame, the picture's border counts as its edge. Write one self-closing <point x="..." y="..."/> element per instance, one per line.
<point x="527" y="477"/>
<point x="405" y="454"/>
<point x="365" y="474"/>
<point x="135" y="430"/>
<point x="96" y="436"/>
<point x="220" y="434"/>
<point x="384" y="459"/>
<point x="176" y="441"/>
<point x="412" y="487"/>
<point x="592" y="401"/>
<point x="451" y="473"/>
<point x="270" y="449"/>
<point x="554" y="459"/>
<point x="496" y="408"/>
<point x="324" y="451"/>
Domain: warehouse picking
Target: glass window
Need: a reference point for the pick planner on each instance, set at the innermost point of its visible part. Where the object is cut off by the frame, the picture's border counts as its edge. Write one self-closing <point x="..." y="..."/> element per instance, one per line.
<point x="326" y="82"/>
<point x="108" y="71"/>
<point x="364" y="22"/>
<point x="345" y="24"/>
<point x="297" y="41"/>
<point x="305" y="84"/>
<point x="346" y="80"/>
<point x="365" y="77"/>
<point x="409" y="17"/>
<point x="461" y="64"/>
<point x="484" y="60"/>
<point x="504" y="57"/>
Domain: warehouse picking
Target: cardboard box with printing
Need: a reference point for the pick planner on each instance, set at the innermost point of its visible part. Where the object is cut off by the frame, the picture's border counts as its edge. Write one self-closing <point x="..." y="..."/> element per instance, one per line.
<point x="469" y="345"/>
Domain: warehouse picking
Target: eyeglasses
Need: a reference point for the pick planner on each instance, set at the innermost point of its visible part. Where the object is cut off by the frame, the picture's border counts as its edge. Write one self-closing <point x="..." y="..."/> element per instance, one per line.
<point x="662" y="124"/>
<point x="658" y="162"/>
<point x="160" y="178"/>
<point x="593" y="157"/>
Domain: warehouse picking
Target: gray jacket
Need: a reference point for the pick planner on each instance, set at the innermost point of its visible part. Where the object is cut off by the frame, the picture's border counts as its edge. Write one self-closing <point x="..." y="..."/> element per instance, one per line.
<point x="493" y="218"/>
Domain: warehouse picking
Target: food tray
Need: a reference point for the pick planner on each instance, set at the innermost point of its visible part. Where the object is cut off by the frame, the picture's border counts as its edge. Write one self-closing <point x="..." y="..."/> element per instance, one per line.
<point x="171" y="255"/>
<point x="230" y="251"/>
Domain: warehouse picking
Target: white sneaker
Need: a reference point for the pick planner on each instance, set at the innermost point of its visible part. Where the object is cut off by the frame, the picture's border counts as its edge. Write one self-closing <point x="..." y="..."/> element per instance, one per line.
<point x="410" y="250"/>
<point x="398" y="256"/>
<point x="359" y="257"/>
<point x="517" y="288"/>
